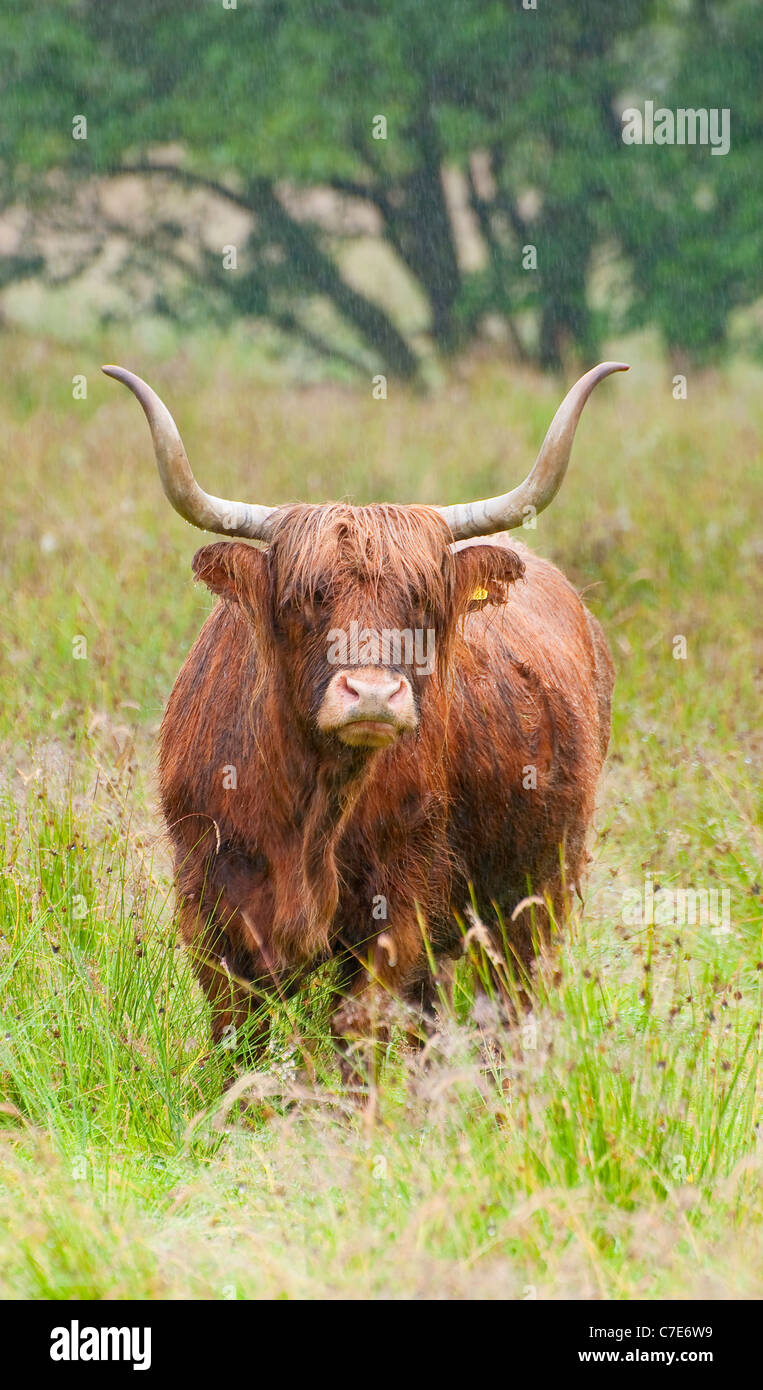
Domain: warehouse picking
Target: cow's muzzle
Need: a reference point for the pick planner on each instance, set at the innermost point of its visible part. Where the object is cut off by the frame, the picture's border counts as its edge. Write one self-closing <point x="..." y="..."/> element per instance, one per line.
<point x="368" y="707"/>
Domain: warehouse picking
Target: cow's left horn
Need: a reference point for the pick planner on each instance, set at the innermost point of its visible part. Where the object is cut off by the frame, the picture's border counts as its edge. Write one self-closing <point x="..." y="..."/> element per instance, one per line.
<point x="182" y="489"/>
<point x="543" y="482"/>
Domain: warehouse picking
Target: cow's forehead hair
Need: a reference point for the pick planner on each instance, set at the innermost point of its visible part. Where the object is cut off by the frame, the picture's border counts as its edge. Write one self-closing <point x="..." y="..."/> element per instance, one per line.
<point x="394" y="551"/>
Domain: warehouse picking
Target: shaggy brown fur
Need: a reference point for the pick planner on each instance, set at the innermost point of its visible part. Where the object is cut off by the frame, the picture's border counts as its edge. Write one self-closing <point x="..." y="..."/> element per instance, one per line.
<point x="284" y="870"/>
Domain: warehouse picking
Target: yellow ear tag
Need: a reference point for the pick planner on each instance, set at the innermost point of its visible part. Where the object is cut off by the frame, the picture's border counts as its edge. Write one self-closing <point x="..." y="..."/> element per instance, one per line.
<point x="480" y="594"/>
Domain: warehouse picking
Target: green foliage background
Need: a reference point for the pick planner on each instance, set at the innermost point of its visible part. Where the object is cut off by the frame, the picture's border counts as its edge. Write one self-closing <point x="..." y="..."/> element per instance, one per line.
<point x="260" y="106"/>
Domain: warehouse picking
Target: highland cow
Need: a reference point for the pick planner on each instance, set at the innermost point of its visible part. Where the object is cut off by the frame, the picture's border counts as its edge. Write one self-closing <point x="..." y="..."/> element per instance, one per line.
<point x="351" y="808"/>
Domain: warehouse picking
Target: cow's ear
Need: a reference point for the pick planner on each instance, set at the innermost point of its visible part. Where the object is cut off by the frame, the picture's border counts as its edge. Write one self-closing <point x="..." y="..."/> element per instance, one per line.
<point x="484" y="574"/>
<point x="233" y="570"/>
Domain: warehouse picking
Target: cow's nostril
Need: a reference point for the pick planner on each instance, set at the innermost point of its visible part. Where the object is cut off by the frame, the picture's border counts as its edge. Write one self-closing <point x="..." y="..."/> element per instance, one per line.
<point x="348" y="688"/>
<point x="398" y="694"/>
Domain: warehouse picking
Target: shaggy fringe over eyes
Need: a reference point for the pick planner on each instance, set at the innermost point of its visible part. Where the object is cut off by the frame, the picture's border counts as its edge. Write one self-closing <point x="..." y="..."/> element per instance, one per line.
<point x="399" y="555"/>
<point x="393" y="549"/>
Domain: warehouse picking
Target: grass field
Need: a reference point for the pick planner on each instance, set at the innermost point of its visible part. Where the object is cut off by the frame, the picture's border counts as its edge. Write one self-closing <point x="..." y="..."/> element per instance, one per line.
<point x="615" y="1150"/>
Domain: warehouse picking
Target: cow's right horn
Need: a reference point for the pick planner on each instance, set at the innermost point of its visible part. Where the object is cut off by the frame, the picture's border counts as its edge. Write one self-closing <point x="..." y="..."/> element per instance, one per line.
<point x="198" y="507"/>
<point x="542" y="483"/>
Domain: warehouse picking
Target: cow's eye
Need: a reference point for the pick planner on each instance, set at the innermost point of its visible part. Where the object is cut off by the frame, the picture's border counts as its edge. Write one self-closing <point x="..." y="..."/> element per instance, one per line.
<point x="309" y="611"/>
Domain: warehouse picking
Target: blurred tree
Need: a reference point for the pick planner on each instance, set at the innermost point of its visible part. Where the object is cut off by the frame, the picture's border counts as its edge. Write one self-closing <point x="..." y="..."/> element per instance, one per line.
<point x="304" y="116"/>
<point x="694" y="243"/>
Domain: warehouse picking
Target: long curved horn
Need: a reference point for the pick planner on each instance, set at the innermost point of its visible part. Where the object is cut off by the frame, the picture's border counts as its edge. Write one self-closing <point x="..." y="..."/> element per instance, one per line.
<point x="197" y="506"/>
<point x="543" y="482"/>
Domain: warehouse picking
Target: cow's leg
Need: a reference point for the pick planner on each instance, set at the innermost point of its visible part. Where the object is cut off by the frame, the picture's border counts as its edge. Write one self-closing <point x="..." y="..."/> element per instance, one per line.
<point x="389" y="986"/>
<point x="531" y="933"/>
<point x="240" y="1018"/>
<point x="513" y="954"/>
<point x="362" y="1027"/>
<point x="240" y="1022"/>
